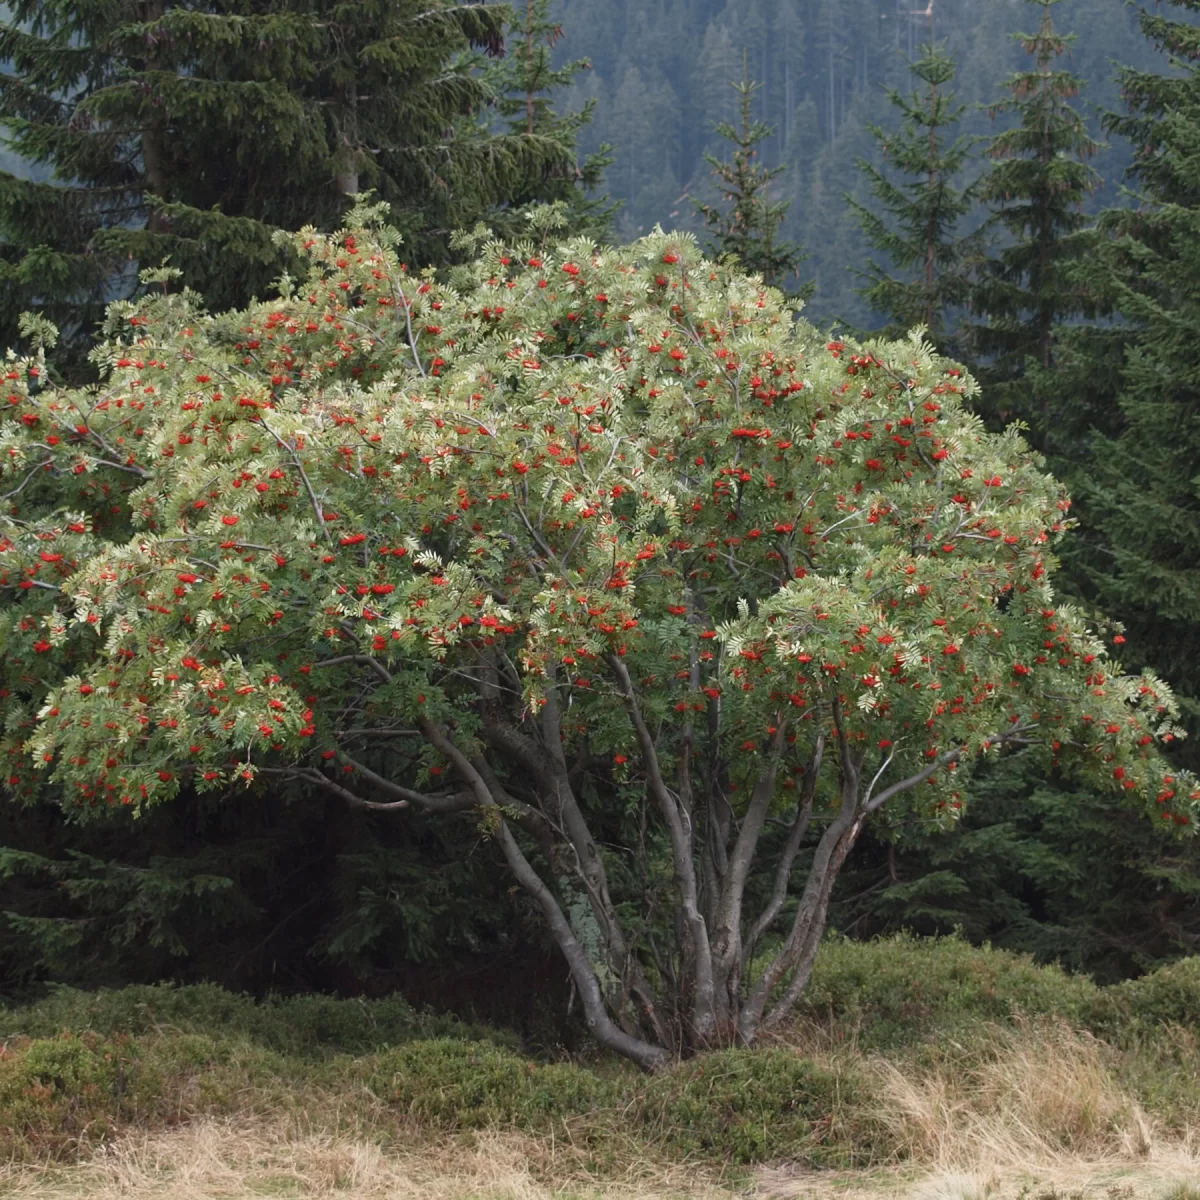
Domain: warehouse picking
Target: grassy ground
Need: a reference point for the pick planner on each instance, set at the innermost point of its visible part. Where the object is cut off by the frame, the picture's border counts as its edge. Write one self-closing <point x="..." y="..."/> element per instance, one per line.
<point x="929" y="1070"/>
<point x="230" y="1160"/>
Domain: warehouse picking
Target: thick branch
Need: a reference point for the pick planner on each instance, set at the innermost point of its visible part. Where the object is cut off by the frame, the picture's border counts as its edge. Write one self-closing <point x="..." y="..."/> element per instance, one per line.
<point x="783" y="871"/>
<point x="362" y="659"/>
<point x="549" y="766"/>
<point x="873" y="804"/>
<point x="606" y="1031"/>
<point x="705" y="1000"/>
<point x="727" y="928"/>
<point x="831" y="851"/>
<point x="742" y="857"/>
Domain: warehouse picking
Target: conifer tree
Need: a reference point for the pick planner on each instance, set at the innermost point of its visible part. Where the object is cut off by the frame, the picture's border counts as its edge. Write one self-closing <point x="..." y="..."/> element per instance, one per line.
<point x="1036" y="189"/>
<point x="918" y="229"/>
<point x="194" y="131"/>
<point x="523" y="82"/>
<point x="1143" y="501"/>
<point x="745" y="223"/>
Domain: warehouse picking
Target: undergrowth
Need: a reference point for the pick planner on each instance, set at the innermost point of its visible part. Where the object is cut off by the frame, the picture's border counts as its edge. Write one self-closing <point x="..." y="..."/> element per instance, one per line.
<point x="902" y="1050"/>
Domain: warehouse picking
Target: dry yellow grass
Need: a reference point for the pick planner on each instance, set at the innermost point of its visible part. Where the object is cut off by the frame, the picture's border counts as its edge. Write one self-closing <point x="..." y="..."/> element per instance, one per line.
<point x="232" y="1160"/>
<point x="1079" y="1180"/>
<point x="1036" y="1112"/>
<point x="1032" y="1113"/>
<point x="1042" y="1095"/>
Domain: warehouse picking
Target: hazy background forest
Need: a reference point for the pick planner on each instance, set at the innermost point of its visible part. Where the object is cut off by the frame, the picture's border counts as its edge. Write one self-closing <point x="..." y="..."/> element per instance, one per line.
<point x="661" y="72"/>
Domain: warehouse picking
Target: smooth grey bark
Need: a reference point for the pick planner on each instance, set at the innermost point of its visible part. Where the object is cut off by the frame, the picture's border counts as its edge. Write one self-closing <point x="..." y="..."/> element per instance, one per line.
<point x="606" y="1031"/>
<point x="800" y="947"/>
<point x="726" y="934"/>
<point x="712" y="998"/>
<point x="704" y="1002"/>
<point x="547" y="765"/>
<point x="783" y="870"/>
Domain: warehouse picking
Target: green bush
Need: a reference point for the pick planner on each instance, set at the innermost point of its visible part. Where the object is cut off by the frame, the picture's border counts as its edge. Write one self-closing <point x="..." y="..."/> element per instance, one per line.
<point x="1167" y="996"/>
<point x="62" y="1094"/>
<point x="79" y="1067"/>
<point x="902" y="989"/>
<point x="467" y="1085"/>
<point x="748" y="1106"/>
<point x="67" y="1091"/>
<point x="298" y="1025"/>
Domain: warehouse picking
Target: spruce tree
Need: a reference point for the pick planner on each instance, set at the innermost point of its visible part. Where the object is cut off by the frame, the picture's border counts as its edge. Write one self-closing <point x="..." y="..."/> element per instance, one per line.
<point x="745" y="222"/>
<point x="192" y="132"/>
<point x="1143" y="501"/>
<point x="1026" y="292"/>
<point x="524" y="82"/>
<point x="918" y="228"/>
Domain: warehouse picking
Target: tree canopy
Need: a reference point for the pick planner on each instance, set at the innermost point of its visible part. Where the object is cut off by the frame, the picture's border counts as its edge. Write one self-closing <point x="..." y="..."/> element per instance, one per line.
<point x="588" y="542"/>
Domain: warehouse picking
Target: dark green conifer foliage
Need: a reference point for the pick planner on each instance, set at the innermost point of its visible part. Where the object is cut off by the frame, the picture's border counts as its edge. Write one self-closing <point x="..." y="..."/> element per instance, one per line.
<point x="193" y="131"/>
<point x="1024" y="294"/>
<point x="524" y="82"/>
<point x="1034" y="867"/>
<point x="922" y="212"/>
<point x="1143" y="498"/>
<point x="745" y="222"/>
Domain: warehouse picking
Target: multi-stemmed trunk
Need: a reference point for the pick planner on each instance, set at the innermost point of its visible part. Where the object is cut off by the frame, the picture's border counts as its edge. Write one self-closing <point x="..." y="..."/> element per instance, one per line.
<point x="644" y="1001"/>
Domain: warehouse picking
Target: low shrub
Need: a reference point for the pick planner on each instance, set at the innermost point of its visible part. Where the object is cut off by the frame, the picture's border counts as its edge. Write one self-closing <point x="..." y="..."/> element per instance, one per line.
<point x="1168" y="996"/>
<point x="68" y="1091"/>
<point x="454" y="1084"/>
<point x="918" y="1045"/>
<point x="295" y="1025"/>
<point x="897" y="990"/>
<point x="750" y="1106"/>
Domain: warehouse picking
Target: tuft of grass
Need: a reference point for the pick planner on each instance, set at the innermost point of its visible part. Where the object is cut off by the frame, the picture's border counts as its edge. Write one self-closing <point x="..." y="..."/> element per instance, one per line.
<point x="1040" y="1092"/>
<point x="1183" y="1189"/>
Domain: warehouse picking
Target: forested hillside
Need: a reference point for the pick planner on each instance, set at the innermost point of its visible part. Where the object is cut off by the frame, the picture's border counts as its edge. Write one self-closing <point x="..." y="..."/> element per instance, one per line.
<point x="661" y="75"/>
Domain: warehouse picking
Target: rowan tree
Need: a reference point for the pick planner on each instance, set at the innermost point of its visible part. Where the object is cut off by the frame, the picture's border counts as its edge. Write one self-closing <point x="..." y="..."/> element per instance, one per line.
<point x="578" y="537"/>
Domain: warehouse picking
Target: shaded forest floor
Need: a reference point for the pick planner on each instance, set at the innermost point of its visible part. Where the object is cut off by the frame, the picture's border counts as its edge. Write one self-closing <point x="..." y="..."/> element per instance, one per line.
<point x="918" y="1069"/>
